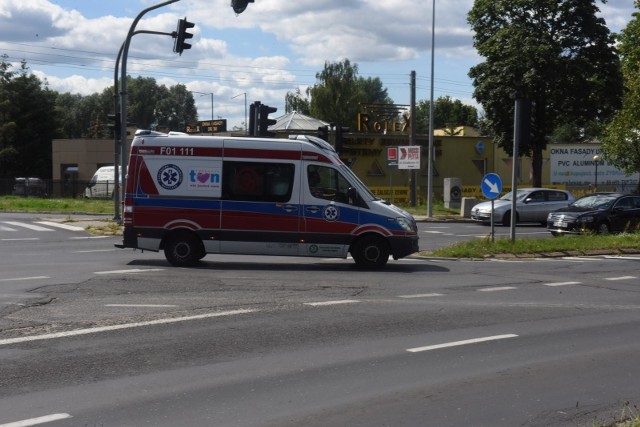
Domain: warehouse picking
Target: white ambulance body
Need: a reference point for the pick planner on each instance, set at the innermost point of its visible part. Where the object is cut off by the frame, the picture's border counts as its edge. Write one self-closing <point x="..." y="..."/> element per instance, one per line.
<point x="194" y="195"/>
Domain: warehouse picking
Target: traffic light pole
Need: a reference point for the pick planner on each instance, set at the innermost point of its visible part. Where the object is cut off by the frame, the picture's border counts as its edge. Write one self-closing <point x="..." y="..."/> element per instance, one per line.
<point x="117" y="142"/>
<point x="123" y="90"/>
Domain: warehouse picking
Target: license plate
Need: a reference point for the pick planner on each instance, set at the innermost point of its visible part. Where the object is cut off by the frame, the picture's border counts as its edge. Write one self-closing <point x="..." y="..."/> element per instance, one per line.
<point x="560" y="224"/>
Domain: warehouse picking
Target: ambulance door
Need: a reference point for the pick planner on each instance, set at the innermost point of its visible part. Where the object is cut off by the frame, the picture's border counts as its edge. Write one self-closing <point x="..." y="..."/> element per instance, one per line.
<point x="260" y="207"/>
<point x="329" y="216"/>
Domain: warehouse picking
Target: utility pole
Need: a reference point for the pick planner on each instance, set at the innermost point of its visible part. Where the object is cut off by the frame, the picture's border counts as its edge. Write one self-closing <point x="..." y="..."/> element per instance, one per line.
<point x="412" y="139"/>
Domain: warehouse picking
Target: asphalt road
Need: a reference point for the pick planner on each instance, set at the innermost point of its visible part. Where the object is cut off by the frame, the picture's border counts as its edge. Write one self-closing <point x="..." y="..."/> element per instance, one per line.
<point x="90" y="335"/>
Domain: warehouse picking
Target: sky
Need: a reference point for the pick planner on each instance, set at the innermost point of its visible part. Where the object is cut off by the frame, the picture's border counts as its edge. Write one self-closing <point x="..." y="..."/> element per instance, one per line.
<point x="273" y="47"/>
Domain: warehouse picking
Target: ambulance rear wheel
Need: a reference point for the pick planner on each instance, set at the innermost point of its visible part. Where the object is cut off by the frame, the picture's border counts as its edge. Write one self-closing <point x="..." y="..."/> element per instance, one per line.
<point x="183" y="250"/>
<point x="370" y="252"/>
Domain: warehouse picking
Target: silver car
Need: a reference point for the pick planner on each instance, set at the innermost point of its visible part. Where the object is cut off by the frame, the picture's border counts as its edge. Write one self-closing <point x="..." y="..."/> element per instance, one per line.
<point x="532" y="205"/>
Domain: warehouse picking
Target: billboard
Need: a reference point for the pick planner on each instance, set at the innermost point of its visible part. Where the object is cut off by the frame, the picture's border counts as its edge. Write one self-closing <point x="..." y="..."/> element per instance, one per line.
<point x="575" y="165"/>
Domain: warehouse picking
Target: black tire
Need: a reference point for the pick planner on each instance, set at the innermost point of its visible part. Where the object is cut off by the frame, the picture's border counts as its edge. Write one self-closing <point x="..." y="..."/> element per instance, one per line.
<point x="603" y="228"/>
<point x="183" y="250"/>
<point x="506" y="219"/>
<point x="370" y="252"/>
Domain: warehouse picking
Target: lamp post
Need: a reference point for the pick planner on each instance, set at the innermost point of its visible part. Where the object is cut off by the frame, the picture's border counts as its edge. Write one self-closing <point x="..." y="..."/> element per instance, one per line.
<point x="207" y="93"/>
<point x="430" y="158"/>
<point x="245" y="110"/>
<point x="596" y="159"/>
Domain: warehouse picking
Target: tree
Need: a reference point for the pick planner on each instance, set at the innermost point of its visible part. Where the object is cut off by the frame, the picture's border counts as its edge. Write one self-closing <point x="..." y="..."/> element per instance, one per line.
<point x="621" y="137"/>
<point x="447" y="111"/>
<point x="295" y="101"/>
<point x="28" y="123"/>
<point x="556" y="53"/>
<point x="339" y="93"/>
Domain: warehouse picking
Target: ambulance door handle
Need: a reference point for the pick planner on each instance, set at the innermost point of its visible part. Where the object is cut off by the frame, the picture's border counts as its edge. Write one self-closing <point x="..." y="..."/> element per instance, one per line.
<point x="290" y="208"/>
<point x="313" y="209"/>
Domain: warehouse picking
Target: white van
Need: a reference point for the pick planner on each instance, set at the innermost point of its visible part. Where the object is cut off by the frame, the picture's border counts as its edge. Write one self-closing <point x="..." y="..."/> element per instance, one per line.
<point x="194" y="195"/>
<point x="102" y="184"/>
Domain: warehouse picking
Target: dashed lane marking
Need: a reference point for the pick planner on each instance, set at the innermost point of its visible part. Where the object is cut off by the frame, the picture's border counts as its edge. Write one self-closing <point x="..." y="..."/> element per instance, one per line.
<point x="15" y="279"/>
<point x="421" y="295"/>
<point x="459" y="343"/>
<point x="87" y="331"/>
<point x="497" y="288"/>
<point x="129" y="271"/>
<point x="38" y="420"/>
<point x="620" y="278"/>
<point x="325" y="303"/>
<point x="562" y="283"/>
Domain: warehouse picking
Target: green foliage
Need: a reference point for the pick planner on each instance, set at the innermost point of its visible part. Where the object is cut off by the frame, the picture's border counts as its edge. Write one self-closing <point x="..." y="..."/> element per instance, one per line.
<point x="295" y="101"/>
<point x="28" y="122"/>
<point x="621" y="137"/>
<point x="447" y="112"/>
<point x="339" y="93"/>
<point x="557" y="53"/>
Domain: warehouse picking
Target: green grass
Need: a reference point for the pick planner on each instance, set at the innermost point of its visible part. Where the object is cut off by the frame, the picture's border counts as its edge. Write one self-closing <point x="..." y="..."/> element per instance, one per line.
<point x="68" y="206"/>
<point x="481" y="248"/>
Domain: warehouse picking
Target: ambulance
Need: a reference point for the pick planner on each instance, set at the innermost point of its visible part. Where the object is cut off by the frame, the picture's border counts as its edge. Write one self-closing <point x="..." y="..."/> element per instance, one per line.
<point x="195" y="195"/>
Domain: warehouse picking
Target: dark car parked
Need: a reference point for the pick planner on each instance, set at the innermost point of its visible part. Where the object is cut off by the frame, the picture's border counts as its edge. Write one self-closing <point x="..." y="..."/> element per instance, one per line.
<point x="599" y="212"/>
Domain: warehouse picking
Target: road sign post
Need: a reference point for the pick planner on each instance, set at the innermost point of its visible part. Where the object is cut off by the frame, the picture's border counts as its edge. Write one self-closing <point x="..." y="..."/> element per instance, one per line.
<point x="491" y="186"/>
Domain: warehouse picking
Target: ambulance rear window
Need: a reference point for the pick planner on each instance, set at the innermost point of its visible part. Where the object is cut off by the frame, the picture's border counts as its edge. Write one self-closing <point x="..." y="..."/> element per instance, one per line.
<point x="257" y="181"/>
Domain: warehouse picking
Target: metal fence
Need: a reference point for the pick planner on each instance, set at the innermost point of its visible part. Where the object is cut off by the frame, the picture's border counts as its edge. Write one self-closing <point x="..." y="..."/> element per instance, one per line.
<point x="44" y="188"/>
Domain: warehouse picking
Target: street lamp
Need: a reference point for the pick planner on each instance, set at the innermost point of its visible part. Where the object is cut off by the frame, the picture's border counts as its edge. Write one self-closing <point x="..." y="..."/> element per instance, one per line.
<point x="245" y="110"/>
<point x="596" y="159"/>
<point x="206" y="93"/>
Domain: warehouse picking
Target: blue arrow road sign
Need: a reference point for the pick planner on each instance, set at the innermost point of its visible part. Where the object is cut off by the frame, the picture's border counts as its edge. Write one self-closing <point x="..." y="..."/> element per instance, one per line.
<point x="491" y="185"/>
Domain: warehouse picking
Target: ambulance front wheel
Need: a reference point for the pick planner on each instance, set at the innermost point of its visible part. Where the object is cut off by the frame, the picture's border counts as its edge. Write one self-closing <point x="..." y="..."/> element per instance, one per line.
<point x="183" y="249"/>
<point x="370" y="252"/>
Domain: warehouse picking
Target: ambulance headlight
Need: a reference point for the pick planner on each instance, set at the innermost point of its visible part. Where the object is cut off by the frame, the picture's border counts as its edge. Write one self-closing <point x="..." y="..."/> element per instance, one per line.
<point x="405" y="224"/>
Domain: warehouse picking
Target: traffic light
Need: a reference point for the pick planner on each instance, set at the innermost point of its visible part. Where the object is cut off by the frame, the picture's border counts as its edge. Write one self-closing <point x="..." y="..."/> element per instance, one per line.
<point x="340" y="130"/>
<point x="114" y="123"/>
<point x="179" y="45"/>
<point x="265" y="121"/>
<point x="323" y="132"/>
<point x="254" y="110"/>
<point x="240" y="5"/>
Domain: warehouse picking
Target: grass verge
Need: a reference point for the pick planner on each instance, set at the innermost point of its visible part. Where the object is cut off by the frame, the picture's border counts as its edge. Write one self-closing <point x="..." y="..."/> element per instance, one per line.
<point x="569" y="245"/>
<point x="68" y="206"/>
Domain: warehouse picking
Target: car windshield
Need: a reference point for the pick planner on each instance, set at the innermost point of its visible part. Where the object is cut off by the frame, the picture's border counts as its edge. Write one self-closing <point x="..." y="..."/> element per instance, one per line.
<point x="596" y="201"/>
<point x="520" y="195"/>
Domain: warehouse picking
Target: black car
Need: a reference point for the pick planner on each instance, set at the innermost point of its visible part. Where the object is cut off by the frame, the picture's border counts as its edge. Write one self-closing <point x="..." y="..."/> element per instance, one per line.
<point x="599" y="212"/>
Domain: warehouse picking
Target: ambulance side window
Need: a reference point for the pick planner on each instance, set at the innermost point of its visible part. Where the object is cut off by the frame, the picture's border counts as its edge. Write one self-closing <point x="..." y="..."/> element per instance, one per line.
<point x="327" y="183"/>
<point x="257" y="181"/>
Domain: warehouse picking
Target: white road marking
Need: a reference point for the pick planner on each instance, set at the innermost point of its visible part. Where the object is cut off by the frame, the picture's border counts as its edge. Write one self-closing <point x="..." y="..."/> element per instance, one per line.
<point x="38" y="420"/>
<point x="459" y="343"/>
<point x="497" y="288"/>
<point x="324" y="303"/>
<point x="94" y="250"/>
<point x="141" y="305"/>
<point x="96" y="330"/>
<point x="623" y="257"/>
<point x="29" y="226"/>
<point x="420" y="296"/>
<point x="5" y="228"/>
<point x="434" y="232"/>
<point x="562" y="283"/>
<point x="88" y="237"/>
<point x="132" y="270"/>
<point x="20" y="239"/>
<point x="61" y="225"/>
<point x="621" y="278"/>
<point x="15" y="279"/>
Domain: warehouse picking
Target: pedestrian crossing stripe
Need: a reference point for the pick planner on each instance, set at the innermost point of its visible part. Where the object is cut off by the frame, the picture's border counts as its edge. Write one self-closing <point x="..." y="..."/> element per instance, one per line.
<point x="27" y="225"/>
<point x="61" y="225"/>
